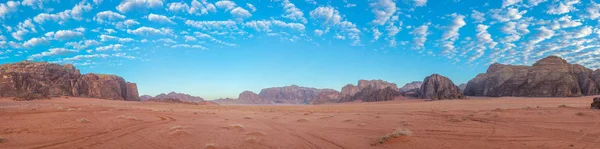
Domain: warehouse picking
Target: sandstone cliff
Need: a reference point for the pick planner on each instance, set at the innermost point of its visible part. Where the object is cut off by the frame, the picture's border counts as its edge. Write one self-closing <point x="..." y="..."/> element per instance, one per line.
<point x="283" y="95"/>
<point x="437" y="87"/>
<point x="411" y="86"/>
<point x="549" y="77"/>
<point x="349" y="91"/>
<point x="42" y="80"/>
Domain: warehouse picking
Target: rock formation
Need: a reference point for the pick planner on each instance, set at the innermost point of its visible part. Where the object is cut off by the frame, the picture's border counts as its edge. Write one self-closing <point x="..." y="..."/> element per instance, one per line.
<point x="350" y="90"/>
<point x="411" y="86"/>
<point x="437" y="87"/>
<point x="42" y="80"/>
<point x="371" y="94"/>
<point x="282" y="95"/>
<point x="462" y="87"/>
<point x="549" y="77"/>
<point x="173" y="95"/>
<point x="596" y="103"/>
<point x="327" y="96"/>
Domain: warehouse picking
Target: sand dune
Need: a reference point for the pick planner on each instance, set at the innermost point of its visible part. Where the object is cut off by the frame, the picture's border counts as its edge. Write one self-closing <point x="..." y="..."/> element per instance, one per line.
<point x="477" y="123"/>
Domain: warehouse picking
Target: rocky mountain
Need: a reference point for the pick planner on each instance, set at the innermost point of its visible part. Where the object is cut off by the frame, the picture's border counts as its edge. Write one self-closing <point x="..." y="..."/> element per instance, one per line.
<point x="437" y="87"/>
<point x="173" y="95"/>
<point x="33" y="80"/>
<point x="350" y="90"/>
<point x="371" y="94"/>
<point x="462" y="87"/>
<point x="280" y="95"/>
<point x="411" y="86"/>
<point x="549" y="77"/>
<point x="327" y="96"/>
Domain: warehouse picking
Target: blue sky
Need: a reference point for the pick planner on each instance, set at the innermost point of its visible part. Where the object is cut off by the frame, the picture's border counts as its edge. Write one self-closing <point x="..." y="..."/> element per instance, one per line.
<point x="217" y="49"/>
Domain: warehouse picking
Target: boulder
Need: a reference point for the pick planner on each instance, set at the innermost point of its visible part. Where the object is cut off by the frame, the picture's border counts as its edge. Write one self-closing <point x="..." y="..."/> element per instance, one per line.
<point x="437" y="87"/>
<point x="596" y="103"/>
<point x="549" y="77"/>
<point x="44" y="79"/>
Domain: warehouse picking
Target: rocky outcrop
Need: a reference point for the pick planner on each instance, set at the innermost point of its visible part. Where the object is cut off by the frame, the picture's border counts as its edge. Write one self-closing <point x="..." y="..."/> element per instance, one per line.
<point x="549" y="77"/>
<point x="327" y="96"/>
<point x="282" y="95"/>
<point x="412" y="86"/>
<point x="371" y="94"/>
<point x="596" y="103"/>
<point x="462" y="87"/>
<point x="174" y="95"/>
<point x="350" y="90"/>
<point x="43" y="79"/>
<point x="437" y="87"/>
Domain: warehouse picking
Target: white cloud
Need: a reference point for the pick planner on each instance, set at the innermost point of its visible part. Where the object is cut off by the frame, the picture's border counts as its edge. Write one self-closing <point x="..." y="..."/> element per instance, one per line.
<point x="227" y="5"/>
<point x="420" y="3"/>
<point x="504" y="15"/>
<point x="451" y="34"/>
<point x="61" y="17"/>
<point x="104" y="38"/>
<point x="506" y="3"/>
<point x="108" y="16"/>
<point x="240" y="13"/>
<point x="330" y="17"/>
<point x="376" y="34"/>
<point x="383" y="10"/>
<point x="130" y="23"/>
<point x="189" y="38"/>
<point x="150" y="31"/>
<point x="128" y="5"/>
<point x="80" y="57"/>
<point x="35" y="4"/>
<point x="114" y="47"/>
<point x="477" y="16"/>
<point x="593" y="10"/>
<point x="326" y="15"/>
<point x="33" y="42"/>
<point x="97" y="2"/>
<point x="267" y="25"/>
<point x="420" y="34"/>
<point x="581" y="32"/>
<point x="563" y="7"/>
<point x="67" y="34"/>
<point x="542" y="34"/>
<point x="318" y="32"/>
<point x="484" y="41"/>
<point x="160" y="19"/>
<point x="8" y="7"/>
<point x="292" y="12"/>
<point x="564" y="22"/>
<point x="51" y="52"/>
<point x="251" y="7"/>
<point x="213" y="25"/>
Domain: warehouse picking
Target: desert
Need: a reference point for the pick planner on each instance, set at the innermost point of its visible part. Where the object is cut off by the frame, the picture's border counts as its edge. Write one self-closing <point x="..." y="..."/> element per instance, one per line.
<point x="480" y="122"/>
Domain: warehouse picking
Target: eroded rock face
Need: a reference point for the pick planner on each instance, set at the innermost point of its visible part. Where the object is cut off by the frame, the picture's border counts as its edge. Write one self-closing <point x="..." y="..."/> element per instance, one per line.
<point x="281" y="95"/>
<point x="50" y="80"/>
<point x="371" y="94"/>
<point x="437" y="87"/>
<point x="174" y="95"/>
<point x="462" y="87"/>
<point x="350" y="90"/>
<point x="327" y="96"/>
<point x="549" y="77"/>
<point x="411" y="86"/>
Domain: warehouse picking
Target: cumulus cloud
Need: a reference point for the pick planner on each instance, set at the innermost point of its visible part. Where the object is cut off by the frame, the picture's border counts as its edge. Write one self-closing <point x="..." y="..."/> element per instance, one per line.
<point x="33" y="42"/>
<point x="593" y="10"/>
<point x="542" y="34"/>
<point x="61" y="17"/>
<point x="504" y="15"/>
<point x="420" y="3"/>
<point x="451" y="34"/>
<point x="130" y="23"/>
<point x="240" y="13"/>
<point x="81" y="57"/>
<point x="565" y="22"/>
<point x="213" y="25"/>
<point x="477" y="16"/>
<point x="159" y="19"/>
<point x="420" y="34"/>
<point x="51" y="52"/>
<point x="108" y="16"/>
<point x="484" y="41"/>
<point x="581" y="32"/>
<point x="251" y="7"/>
<point x="7" y="8"/>
<point x="506" y="3"/>
<point x="330" y="17"/>
<point x="383" y="10"/>
<point x="563" y="7"/>
<point x="150" y="31"/>
<point x="67" y="34"/>
<point x="292" y="12"/>
<point x="268" y="25"/>
<point x="114" y="47"/>
<point x="128" y="5"/>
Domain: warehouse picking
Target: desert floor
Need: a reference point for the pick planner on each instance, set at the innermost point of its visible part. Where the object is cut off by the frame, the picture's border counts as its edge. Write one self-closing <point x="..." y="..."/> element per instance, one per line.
<point x="477" y="123"/>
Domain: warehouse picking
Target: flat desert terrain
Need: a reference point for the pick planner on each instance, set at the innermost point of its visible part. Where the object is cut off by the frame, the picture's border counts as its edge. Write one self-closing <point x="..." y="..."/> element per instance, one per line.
<point x="476" y="123"/>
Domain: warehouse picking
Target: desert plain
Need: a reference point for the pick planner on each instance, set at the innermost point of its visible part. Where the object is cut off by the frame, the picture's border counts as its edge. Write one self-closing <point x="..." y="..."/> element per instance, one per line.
<point x="474" y="123"/>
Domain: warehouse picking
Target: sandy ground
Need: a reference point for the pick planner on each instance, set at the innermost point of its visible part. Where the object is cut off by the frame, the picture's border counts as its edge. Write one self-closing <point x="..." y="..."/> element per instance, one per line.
<point x="477" y="123"/>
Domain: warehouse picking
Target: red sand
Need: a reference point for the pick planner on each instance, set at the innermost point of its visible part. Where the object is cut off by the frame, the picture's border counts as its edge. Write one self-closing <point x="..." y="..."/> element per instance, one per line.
<point x="477" y="123"/>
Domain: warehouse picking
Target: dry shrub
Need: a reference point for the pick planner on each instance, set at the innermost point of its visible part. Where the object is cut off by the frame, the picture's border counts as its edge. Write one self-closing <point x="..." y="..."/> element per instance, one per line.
<point x="239" y="127"/>
<point x="2" y="139"/>
<point x="362" y="124"/>
<point x="128" y="118"/>
<point x="248" y="117"/>
<point x="251" y="140"/>
<point x="563" y="106"/>
<point x="84" y="120"/>
<point x="580" y="114"/>
<point x="397" y="133"/>
<point x="210" y="146"/>
<point x="348" y="120"/>
<point x="303" y="120"/>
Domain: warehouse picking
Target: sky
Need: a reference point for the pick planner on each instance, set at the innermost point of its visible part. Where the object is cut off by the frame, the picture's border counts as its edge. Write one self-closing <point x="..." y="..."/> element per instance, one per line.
<point x="217" y="49"/>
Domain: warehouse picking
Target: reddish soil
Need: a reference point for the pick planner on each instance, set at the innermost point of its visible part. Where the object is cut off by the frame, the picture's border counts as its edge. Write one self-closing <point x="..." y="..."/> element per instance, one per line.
<point x="476" y="123"/>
